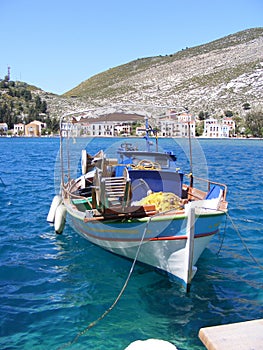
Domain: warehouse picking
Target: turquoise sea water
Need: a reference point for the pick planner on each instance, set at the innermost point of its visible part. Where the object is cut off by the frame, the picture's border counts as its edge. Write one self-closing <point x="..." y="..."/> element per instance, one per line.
<point x="52" y="286"/>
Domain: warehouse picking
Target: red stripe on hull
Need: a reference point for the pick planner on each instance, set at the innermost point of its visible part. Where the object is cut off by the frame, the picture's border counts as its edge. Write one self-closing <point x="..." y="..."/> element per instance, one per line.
<point x="175" y="238"/>
<point x="167" y="238"/>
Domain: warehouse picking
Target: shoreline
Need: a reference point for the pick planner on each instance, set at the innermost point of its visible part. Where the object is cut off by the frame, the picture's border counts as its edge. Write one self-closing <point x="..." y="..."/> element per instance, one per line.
<point x="132" y="137"/>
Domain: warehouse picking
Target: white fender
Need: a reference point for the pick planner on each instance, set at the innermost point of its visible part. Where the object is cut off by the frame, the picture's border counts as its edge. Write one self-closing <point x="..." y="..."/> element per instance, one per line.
<point x="55" y="203"/>
<point x="84" y="162"/>
<point x="60" y="218"/>
<point x="150" y="344"/>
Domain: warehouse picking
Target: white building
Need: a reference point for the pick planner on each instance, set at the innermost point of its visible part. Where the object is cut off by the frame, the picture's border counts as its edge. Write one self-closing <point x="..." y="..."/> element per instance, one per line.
<point x="140" y="131"/>
<point x="70" y="129"/>
<point x="101" y="128"/>
<point x="19" y="129"/>
<point x="230" y="123"/>
<point x="105" y="128"/>
<point x="110" y="125"/>
<point x="175" y="125"/>
<point x="3" y="128"/>
<point x="214" y="128"/>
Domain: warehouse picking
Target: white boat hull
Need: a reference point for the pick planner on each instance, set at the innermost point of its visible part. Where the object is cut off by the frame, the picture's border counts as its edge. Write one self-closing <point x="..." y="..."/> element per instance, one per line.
<point x="164" y="246"/>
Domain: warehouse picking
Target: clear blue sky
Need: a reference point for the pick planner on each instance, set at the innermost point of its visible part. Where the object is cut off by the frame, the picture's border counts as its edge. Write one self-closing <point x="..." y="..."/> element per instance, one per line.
<point x="57" y="44"/>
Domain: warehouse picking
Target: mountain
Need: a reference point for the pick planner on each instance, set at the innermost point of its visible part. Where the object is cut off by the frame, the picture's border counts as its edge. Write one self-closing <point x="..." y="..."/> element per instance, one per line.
<point x="221" y="75"/>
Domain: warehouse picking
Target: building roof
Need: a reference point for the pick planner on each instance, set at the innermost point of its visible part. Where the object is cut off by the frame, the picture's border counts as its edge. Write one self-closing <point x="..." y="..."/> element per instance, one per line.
<point x="115" y="117"/>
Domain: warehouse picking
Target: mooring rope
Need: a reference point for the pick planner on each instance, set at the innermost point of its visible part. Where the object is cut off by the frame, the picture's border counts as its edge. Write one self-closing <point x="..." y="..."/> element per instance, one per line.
<point x="240" y="237"/>
<point x="2" y="182"/>
<point x="243" y="242"/>
<point x="92" y="324"/>
<point x="222" y="240"/>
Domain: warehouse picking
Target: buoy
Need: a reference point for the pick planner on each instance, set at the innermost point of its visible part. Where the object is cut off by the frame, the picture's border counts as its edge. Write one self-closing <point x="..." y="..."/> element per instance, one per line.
<point x="52" y="211"/>
<point x="150" y="344"/>
<point x="84" y="162"/>
<point x="60" y="218"/>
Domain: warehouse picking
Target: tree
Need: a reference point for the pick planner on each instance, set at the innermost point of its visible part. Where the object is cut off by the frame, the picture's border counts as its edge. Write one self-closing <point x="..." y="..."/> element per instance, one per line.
<point x="246" y="106"/>
<point x="3" y="84"/>
<point x="228" y="114"/>
<point x="32" y="114"/>
<point x="52" y="124"/>
<point x="55" y="124"/>
<point x="240" y="124"/>
<point x="17" y="103"/>
<point x="254" y="124"/>
<point x="201" y="115"/>
<point x="43" y="108"/>
<point x="199" y="128"/>
<point x="38" y="103"/>
<point x="26" y="94"/>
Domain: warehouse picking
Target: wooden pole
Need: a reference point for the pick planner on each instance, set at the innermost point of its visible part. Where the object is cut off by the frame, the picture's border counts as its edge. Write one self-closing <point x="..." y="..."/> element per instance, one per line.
<point x="190" y="154"/>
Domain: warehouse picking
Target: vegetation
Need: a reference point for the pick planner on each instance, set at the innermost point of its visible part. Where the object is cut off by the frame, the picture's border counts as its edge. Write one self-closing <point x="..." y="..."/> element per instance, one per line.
<point x="100" y="85"/>
<point x="18" y="104"/>
<point x="218" y="86"/>
<point x="254" y="124"/>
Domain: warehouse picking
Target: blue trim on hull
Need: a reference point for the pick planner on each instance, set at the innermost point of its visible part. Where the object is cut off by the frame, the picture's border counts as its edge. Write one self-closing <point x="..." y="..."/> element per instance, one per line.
<point x="176" y="232"/>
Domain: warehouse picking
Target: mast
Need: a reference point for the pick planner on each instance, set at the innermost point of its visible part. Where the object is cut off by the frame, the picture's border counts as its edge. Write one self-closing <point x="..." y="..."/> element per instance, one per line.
<point x="155" y="132"/>
<point x="190" y="150"/>
<point x="147" y="134"/>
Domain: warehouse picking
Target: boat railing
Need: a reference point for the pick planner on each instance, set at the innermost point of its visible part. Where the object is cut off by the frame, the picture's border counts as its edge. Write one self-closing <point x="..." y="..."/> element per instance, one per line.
<point x="210" y="183"/>
<point x="72" y="195"/>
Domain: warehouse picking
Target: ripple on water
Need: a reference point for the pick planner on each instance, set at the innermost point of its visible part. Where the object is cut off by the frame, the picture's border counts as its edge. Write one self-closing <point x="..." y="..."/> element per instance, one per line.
<point x="52" y="286"/>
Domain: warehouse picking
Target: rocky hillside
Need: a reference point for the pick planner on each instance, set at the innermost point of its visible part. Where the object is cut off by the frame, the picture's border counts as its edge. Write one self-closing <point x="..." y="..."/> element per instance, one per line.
<point x="221" y="75"/>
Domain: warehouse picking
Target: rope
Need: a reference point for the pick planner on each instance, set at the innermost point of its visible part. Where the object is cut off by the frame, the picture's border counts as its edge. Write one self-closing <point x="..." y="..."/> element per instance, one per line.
<point x="92" y="324"/>
<point x="243" y="242"/>
<point x="2" y="182"/>
<point x="222" y="240"/>
<point x="240" y="237"/>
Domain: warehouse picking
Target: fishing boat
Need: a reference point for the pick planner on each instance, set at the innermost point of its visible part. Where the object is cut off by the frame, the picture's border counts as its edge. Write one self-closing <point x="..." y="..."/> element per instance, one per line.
<point x="139" y="204"/>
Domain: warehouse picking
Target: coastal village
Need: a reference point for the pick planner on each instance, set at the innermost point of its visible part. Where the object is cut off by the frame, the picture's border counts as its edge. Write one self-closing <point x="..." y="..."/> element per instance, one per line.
<point x="220" y="104"/>
<point x="139" y="228"/>
<point x="113" y="125"/>
<point x="170" y="125"/>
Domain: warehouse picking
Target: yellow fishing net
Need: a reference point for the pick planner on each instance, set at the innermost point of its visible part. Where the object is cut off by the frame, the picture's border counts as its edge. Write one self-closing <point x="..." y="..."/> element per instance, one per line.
<point x="163" y="201"/>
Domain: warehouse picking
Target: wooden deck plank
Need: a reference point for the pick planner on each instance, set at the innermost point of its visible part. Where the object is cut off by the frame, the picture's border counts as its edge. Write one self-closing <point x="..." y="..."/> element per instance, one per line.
<point x="242" y="336"/>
